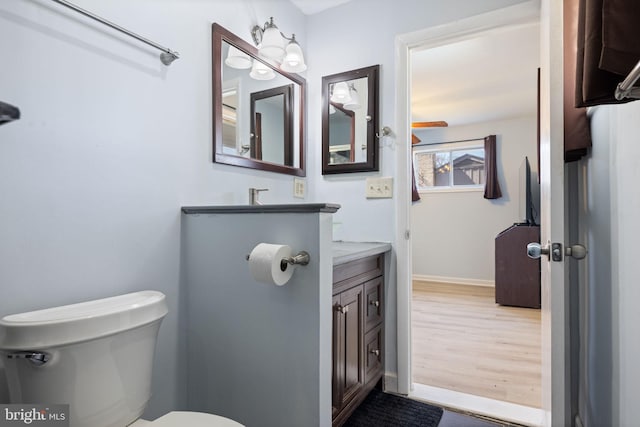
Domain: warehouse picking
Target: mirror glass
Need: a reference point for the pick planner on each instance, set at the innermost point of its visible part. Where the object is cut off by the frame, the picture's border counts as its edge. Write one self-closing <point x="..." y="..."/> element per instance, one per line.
<point x="271" y="126"/>
<point x="349" y="121"/>
<point x="258" y="109"/>
<point x="342" y="125"/>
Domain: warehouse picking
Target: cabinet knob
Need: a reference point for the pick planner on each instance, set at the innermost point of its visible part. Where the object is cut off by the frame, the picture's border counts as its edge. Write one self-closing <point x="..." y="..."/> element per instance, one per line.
<point x="342" y="308"/>
<point x="375" y="303"/>
<point x="376" y="352"/>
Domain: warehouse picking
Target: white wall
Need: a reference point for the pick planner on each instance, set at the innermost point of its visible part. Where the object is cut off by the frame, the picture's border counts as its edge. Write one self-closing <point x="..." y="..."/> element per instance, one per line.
<point x="454" y="232"/>
<point x="355" y="35"/>
<point x="611" y="208"/>
<point x="111" y="143"/>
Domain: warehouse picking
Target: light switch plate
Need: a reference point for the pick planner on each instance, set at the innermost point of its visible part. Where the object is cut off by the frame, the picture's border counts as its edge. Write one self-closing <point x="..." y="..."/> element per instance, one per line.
<point x="299" y="188"/>
<point x="379" y="188"/>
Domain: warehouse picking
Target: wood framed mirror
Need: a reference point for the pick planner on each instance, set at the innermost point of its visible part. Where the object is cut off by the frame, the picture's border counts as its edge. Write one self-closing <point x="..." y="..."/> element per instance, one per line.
<point x="272" y="125"/>
<point x="258" y="109"/>
<point x="350" y="120"/>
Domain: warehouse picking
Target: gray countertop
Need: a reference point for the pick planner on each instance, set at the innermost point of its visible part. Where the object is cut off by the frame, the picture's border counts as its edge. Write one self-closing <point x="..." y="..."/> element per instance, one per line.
<point x="348" y="251"/>
<point x="286" y="208"/>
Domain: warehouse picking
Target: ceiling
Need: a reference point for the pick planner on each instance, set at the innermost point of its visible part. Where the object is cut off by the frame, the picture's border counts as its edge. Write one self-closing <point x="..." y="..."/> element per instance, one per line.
<point x="489" y="77"/>
<point x="309" y="7"/>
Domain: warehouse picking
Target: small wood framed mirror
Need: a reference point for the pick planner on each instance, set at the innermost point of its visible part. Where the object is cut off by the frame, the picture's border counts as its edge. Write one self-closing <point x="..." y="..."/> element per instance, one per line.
<point x="350" y="120"/>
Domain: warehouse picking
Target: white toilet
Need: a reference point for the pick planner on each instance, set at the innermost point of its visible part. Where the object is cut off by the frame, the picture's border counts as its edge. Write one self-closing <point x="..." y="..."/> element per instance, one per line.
<point x="95" y="356"/>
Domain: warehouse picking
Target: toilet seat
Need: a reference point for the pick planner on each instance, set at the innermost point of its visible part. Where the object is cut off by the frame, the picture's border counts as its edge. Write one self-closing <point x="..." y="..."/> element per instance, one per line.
<point x="191" y="419"/>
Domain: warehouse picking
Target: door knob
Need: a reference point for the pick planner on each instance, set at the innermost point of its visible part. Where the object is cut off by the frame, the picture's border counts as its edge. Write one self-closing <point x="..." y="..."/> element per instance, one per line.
<point x="576" y="251"/>
<point x="535" y="250"/>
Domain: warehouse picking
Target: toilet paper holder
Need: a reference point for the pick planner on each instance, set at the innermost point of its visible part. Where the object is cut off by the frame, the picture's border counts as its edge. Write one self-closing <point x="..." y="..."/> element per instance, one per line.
<point x="301" y="259"/>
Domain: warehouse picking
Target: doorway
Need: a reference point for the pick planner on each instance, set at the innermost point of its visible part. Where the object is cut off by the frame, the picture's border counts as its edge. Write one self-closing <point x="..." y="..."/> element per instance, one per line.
<point x="508" y="210"/>
<point x="463" y="341"/>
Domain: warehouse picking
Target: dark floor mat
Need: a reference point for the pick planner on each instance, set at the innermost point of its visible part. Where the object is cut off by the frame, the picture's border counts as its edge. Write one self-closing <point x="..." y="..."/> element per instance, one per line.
<point x="386" y="410"/>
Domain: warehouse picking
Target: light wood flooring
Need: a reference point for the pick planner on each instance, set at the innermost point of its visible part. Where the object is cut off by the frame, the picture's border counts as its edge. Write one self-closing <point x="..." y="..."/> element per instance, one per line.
<point x="464" y="341"/>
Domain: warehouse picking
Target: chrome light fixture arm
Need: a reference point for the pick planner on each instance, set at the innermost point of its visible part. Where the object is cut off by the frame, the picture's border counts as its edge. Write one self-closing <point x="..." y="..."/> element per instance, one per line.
<point x="269" y="40"/>
<point x="257" y="32"/>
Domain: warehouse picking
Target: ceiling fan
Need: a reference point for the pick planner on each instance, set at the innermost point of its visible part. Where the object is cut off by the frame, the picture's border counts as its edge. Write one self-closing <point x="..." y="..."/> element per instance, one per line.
<point x="418" y="125"/>
<point x="435" y="124"/>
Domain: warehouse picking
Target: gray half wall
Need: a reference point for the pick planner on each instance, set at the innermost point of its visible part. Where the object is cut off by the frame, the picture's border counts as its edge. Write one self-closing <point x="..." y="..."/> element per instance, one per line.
<point x="257" y="353"/>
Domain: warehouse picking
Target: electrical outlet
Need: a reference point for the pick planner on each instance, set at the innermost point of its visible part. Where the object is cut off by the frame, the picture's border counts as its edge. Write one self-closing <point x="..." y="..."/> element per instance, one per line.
<point x="299" y="188"/>
<point x="379" y="188"/>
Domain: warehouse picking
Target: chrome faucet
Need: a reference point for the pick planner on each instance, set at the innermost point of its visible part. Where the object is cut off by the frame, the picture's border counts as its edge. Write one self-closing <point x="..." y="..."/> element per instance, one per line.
<point x="254" y="194"/>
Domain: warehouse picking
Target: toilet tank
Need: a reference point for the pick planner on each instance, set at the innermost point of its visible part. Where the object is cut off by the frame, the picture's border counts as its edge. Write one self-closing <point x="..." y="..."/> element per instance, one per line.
<point x="97" y="355"/>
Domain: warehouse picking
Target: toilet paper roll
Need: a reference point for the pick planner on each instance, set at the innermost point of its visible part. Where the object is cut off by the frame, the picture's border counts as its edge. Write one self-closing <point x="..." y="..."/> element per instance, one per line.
<point x="265" y="264"/>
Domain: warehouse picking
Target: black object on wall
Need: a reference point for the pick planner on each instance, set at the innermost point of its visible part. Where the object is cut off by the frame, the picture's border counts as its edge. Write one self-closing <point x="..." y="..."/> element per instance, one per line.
<point x="8" y="113"/>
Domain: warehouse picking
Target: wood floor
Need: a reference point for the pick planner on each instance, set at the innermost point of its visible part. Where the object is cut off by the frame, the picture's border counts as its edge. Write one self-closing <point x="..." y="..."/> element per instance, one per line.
<point x="464" y="341"/>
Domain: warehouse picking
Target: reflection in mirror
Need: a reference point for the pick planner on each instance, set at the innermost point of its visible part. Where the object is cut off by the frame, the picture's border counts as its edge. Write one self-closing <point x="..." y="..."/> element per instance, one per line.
<point x="341" y="134"/>
<point x="346" y="102"/>
<point x="258" y="109"/>
<point x="349" y="121"/>
<point x="229" y="116"/>
<point x="271" y="125"/>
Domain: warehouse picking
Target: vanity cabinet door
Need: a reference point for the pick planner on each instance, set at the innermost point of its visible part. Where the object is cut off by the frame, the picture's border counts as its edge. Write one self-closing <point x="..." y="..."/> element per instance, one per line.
<point x="373" y="353"/>
<point x="374" y="308"/>
<point x="358" y="325"/>
<point x="348" y="362"/>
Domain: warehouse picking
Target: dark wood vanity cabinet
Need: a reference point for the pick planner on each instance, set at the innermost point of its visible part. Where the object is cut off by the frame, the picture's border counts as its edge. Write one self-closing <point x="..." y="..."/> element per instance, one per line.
<point x="358" y="315"/>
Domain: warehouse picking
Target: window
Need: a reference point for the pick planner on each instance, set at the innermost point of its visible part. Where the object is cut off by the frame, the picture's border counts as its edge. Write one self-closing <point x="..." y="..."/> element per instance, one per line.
<point x="449" y="168"/>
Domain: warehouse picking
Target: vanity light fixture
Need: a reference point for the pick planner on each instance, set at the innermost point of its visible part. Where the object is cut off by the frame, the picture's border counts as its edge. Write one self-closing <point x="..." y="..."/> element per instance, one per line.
<point x="259" y="71"/>
<point x="294" y="59"/>
<point x="8" y="113"/>
<point x="354" y="102"/>
<point x="237" y="59"/>
<point x="340" y="93"/>
<point x="270" y="41"/>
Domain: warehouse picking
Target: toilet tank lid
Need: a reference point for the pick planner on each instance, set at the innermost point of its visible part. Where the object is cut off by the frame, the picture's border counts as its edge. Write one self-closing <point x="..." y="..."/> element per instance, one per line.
<point x="80" y="322"/>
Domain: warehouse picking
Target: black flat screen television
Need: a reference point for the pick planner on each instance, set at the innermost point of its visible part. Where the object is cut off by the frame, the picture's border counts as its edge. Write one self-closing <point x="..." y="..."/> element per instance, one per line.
<point x="529" y="194"/>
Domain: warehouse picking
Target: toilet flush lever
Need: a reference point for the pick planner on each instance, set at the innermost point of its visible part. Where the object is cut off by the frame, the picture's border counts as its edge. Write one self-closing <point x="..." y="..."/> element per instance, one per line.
<point x="35" y="357"/>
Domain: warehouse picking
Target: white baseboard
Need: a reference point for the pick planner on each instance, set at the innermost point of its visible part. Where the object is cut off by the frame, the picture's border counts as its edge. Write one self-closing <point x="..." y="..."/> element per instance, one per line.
<point x="496" y="409"/>
<point x="456" y="280"/>
<point x="390" y="382"/>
